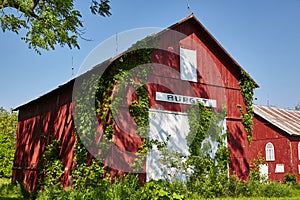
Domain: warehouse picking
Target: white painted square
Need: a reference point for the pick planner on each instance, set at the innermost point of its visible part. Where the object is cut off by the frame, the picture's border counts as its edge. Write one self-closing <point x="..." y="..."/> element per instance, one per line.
<point x="264" y="171"/>
<point x="188" y="65"/>
<point x="279" y="168"/>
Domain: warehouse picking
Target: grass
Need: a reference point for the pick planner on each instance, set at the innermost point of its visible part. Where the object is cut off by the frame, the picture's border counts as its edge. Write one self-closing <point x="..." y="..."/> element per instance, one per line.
<point x="260" y="198"/>
<point x="9" y="191"/>
<point x="4" y="181"/>
<point x="13" y="191"/>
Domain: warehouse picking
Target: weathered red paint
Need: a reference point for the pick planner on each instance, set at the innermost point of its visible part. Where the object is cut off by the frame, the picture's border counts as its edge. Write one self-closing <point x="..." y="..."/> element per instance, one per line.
<point x="52" y="113"/>
<point x="285" y="147"/>
<point x="49" y="118"/>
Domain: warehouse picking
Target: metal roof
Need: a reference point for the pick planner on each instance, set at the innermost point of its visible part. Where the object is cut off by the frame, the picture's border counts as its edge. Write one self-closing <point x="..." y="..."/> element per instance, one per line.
<point x="285" y="119"/>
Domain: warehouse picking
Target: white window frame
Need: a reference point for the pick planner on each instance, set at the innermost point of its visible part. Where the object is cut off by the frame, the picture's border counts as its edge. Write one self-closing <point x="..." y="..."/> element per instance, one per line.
<point x="299" y="150"/>
<point x="270" y="152"/>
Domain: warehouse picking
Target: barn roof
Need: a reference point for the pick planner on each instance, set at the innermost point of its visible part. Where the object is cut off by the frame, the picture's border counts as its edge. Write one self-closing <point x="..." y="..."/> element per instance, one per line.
<point x="191" y="18"/>
<point x="284" y="119"/>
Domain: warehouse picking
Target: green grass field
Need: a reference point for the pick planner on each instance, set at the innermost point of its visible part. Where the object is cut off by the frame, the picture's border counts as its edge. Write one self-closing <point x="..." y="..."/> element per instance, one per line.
<point x="10" y="191"/>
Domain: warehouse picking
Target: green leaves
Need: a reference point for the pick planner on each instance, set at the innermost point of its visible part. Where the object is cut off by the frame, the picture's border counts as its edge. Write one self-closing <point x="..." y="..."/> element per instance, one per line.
<point x="8" y="123"/>
<point x="57" y="24"/>
<point x="53" y="168"/>
<point x="161" y="190"/>
<point x="8" y="126"/>
<point x="11" y="23"/>
<point x="48" y="23"/>
<point x="247" y="90"/>
<point x="7" y="147"/>
<point x="101" y="8"/>
<point x="208" y="172"/>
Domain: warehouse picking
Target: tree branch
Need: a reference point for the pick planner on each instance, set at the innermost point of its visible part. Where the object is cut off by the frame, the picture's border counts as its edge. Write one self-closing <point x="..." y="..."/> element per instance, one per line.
<point x="34" y="4"/>
<point x="22" y="8"/>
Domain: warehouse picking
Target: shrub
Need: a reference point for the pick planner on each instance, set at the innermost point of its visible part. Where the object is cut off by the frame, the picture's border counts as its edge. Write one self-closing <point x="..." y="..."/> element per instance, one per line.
<point x="236" y="187"/>
<point x="161" y="190"/>
<point x="10" y="191"/>
<point x="7" y="150"/>
<point x="290" y="179"/>
<point x="275" y="189"/>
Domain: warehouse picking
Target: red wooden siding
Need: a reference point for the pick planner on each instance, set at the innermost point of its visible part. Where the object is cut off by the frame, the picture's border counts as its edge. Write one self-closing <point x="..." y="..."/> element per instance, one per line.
<point x="285" y="148"/>
<point x="51" y="117"/>
<point x="218" y="78"/>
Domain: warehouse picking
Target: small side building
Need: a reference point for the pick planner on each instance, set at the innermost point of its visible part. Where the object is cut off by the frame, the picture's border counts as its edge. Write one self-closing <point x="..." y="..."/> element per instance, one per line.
<point x="276" y="137"/>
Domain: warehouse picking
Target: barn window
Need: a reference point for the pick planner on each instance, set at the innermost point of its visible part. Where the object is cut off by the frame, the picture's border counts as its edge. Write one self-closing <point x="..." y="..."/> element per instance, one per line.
<point x="299" y="150"/>
<point x="188" y="65"/>
<point x="270" y="154"/>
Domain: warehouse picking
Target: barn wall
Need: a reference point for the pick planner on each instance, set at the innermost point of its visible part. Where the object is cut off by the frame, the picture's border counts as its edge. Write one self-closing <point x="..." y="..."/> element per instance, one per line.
<point x="218" y="79"/>
<point x="38" y="124"/>
<point x="285" y="147"/>
<point x="295" y="155"/>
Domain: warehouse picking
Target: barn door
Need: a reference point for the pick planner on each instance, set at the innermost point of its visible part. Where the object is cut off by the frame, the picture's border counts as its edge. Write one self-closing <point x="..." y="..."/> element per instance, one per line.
<point x="162" y="125"/>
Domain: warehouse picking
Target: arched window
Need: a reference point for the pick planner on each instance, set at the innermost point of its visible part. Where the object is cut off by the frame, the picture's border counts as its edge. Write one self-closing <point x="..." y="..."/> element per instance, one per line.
<point x="270" y="154"/>
<point x="299" y="150"/>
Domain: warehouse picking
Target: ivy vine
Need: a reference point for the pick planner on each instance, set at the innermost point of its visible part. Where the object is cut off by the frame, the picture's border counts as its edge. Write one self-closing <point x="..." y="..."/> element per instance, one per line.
<point x="53" y="168"/>
<point x="247" y="90"/>
<point x="114" y="80"/>
<point x="209" y="156"/>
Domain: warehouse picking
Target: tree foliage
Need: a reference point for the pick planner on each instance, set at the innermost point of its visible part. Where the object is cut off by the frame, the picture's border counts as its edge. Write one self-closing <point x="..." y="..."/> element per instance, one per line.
<point x="47" y="22"/>
<point x="8" y="125"/>
<point x="297" y="107"/>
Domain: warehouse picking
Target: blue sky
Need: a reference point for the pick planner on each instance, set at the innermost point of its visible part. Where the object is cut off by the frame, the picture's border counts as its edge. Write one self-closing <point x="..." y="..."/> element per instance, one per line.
<point x="263" y="36"/>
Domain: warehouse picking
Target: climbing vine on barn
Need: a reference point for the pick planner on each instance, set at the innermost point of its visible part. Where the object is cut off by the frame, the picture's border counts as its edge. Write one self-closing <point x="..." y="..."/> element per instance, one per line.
<point x="247" y="90"/>
<point x="109" y="91"/>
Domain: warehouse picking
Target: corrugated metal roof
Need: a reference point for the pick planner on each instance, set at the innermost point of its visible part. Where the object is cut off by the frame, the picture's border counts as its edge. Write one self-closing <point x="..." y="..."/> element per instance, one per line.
<point x="285" y="119"/>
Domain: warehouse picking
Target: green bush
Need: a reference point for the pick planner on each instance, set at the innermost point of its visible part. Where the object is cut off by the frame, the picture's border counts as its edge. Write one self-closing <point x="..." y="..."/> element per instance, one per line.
<point x="7" y="150"/>
<point x="122" y="188"/>
<point x="275" y="189"/>
<point x="236" y="187"/>
<point x="10" y="191"/>
<point x="290" y="179"/>
<point x="239" y="188"/>
<point x="161" y="190"/>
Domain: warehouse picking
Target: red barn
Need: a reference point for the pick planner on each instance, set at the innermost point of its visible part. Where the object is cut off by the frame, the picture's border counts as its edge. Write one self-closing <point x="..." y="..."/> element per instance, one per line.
<point x="189" y="66"/>
<point x="276" y="137"/>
